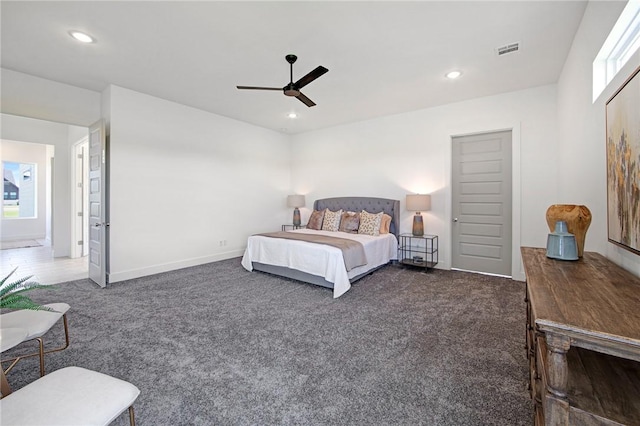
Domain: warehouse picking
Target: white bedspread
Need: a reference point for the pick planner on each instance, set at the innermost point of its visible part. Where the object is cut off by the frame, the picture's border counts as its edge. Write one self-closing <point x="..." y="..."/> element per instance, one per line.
<point x="318" y="259"/>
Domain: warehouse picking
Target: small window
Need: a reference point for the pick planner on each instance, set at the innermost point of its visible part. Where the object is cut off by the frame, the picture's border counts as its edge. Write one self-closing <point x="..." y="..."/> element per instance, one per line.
<point x="19" y="189"/>
<point x="622" y="43"/>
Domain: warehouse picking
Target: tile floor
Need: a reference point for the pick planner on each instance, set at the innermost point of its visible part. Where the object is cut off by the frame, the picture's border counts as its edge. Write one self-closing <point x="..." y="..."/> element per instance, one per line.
<point x="39" y="262"/>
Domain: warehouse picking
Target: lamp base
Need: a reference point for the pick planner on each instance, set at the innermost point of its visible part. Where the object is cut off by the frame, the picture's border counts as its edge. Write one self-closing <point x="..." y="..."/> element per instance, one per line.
<point x="418" y="225"/>
<point x="296" y="217"/>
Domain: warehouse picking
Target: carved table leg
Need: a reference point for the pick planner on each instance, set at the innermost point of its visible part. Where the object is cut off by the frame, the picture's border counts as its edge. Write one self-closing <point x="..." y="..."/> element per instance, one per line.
<point x="557" y="410"/>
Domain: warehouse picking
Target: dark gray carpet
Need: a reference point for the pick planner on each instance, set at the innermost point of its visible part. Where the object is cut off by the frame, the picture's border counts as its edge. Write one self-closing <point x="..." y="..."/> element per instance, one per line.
<point x="215" y="344"/>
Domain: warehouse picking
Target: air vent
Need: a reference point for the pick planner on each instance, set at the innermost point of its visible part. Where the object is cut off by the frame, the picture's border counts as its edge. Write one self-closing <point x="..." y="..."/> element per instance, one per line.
<point x="509" y="48"/>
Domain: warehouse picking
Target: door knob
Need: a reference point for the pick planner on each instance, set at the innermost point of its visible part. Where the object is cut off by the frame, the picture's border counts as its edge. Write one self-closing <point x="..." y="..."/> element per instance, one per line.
<point x="455" y="219"/>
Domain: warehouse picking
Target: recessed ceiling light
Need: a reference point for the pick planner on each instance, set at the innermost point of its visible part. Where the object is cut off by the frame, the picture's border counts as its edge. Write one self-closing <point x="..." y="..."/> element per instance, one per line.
<point x="292" y="115"/>
<point x="453" y="75"/>
<point x="85" y="38"/>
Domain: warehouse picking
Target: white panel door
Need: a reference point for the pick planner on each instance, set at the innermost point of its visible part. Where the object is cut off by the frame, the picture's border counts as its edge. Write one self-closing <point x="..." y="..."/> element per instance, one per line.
<point x="98" y="223"/>
<point x="481" y="196"/>
<point x="81" y="199"/>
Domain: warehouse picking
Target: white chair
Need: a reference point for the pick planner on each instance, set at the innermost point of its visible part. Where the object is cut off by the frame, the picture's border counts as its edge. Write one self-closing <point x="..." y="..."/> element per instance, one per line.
<point x="37" y="324"/>
<point x="70" y="396"/>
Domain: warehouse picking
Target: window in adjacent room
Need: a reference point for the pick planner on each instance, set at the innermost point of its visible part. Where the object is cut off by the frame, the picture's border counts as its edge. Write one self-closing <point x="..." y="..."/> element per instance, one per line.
<point x="19" y="188"/>
<point x="623" y="41"/>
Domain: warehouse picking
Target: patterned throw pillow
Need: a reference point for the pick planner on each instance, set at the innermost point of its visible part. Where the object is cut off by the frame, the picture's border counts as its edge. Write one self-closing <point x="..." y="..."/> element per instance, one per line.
<point x="385" y="224"/>
<point x="350" y="222"/>
<point x="370" y="223"/>
<point x="331" y="220"/>
<point x="315" y="220"/>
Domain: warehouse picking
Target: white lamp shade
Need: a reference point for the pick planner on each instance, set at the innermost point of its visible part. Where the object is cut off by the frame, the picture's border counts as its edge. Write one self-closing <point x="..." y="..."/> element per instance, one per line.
<point x="418" y="202"/>
<point x="295" y="200"/>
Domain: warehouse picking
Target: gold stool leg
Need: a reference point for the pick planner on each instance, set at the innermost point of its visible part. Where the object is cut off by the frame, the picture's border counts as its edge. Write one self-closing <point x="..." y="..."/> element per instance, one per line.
<point x="15" y="361"/>
<point x="5" y="389"/>
<point x="41" y="346"/>
<point x="132" y="419"/>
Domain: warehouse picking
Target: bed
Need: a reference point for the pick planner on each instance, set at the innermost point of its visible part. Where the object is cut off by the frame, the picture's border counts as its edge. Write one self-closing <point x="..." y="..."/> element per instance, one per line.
<point x="321" y="264"/>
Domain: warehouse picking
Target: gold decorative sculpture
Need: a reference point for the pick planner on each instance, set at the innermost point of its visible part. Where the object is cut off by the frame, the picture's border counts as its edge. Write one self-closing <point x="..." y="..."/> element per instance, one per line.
<point x="578" y="219"/>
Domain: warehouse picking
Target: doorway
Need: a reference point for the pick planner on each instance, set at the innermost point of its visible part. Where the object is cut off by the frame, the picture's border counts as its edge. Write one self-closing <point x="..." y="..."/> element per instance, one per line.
<point x="27" y="216"/>
<point x="54" y="260"/>
<point x="482" y="203"/>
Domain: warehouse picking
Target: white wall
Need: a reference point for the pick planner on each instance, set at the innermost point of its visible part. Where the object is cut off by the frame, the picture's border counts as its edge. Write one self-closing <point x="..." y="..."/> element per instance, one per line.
<point x="182" y="180"/>
<point x="407" y="153"/>
<point x="62" y="137"/>
<point x="582" y="128"/>
<point x="14" y="229"/>
<point x="35" y="97"/>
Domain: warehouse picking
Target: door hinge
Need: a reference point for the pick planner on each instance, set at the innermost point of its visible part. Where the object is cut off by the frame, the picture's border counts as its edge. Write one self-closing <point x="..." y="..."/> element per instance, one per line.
<point x="79" y="184"/>
<point x="80" y="156"/>
<point x="80" y="243"/>
<point x="80" y="214"/>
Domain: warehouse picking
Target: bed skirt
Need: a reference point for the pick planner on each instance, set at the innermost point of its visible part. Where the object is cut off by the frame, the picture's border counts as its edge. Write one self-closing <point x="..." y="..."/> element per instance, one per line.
<point x="305" y="277"/>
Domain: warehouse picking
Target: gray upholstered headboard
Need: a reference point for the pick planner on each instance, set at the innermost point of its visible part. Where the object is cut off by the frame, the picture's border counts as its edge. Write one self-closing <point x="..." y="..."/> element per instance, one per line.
<point x="370" y="204"/>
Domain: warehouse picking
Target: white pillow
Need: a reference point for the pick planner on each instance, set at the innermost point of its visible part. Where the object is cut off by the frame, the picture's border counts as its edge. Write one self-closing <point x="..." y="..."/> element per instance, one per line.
<point x="331" y="220"/>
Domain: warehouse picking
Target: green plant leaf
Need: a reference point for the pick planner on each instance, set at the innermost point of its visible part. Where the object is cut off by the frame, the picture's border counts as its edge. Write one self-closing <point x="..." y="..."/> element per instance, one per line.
<point x="12" y="297"/>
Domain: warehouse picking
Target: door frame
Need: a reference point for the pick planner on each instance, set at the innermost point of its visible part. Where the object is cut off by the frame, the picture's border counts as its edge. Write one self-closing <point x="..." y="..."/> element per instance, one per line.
<point x="517" y="270"/>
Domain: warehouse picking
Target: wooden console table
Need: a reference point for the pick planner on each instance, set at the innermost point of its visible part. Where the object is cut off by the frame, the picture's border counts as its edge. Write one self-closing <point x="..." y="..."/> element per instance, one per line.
<point x="583" y="340"/>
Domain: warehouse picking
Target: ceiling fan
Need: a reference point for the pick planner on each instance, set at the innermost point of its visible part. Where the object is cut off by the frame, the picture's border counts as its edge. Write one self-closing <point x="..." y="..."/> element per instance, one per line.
<point x="293" y="89"/>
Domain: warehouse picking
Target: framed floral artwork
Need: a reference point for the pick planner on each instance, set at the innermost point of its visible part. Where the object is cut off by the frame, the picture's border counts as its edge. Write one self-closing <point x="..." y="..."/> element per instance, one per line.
<point x="623" y="164"/>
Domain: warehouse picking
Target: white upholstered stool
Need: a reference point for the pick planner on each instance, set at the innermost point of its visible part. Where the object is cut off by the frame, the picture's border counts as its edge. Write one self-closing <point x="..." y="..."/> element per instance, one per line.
<point x="69" y="396"/>
<point x="37" y="324"/>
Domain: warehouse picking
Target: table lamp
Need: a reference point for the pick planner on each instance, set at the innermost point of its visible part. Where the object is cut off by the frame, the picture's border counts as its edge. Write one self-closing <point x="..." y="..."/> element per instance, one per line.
<point x="418" y="203"/>
<point x="295" y="201"/>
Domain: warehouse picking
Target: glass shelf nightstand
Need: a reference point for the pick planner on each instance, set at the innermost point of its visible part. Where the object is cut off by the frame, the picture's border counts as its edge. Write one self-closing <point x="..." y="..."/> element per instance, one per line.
<point x="420" y="251"/>
<point x="290" y="227"/>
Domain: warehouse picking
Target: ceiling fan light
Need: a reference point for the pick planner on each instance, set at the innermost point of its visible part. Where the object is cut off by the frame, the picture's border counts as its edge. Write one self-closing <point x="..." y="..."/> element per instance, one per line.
<point x="452" y="75"/>
<point x="292" y="115"/>
<point x="82" y="37"/>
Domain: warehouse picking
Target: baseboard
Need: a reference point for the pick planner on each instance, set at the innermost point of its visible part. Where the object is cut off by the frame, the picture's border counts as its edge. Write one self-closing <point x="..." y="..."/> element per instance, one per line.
<point x="115" y="277"/>
<point x="23" y="237"/>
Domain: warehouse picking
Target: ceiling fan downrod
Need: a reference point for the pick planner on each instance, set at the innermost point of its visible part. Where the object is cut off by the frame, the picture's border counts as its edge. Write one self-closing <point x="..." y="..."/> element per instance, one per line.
<point x="290" y="89"/>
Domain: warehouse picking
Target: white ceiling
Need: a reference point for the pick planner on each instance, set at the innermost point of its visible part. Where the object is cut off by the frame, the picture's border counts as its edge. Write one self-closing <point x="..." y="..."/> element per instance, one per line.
<point x="383" y="57"/>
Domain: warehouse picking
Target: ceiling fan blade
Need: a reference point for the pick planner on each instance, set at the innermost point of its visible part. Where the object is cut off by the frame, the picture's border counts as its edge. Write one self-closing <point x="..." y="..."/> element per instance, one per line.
<point x="259" y="88"/>
<point x="308" y="102"/>
<point x="311" y="76"/>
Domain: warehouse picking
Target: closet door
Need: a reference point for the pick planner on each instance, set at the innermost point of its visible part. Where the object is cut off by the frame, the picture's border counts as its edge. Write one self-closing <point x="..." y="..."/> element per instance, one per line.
<point x="481" y="198"/>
